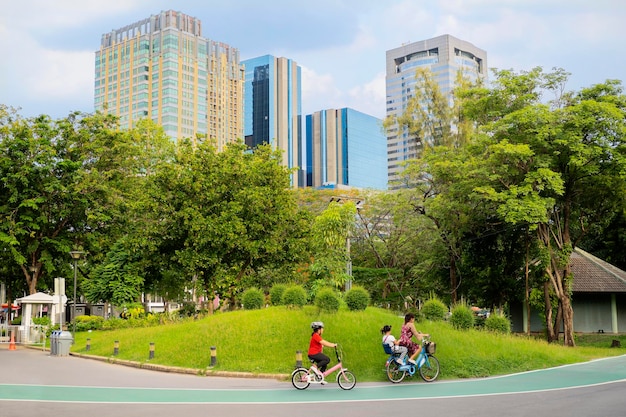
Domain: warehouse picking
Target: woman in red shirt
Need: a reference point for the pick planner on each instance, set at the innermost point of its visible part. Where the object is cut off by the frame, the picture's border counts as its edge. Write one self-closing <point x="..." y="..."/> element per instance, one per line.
<point x="317" y="344"/>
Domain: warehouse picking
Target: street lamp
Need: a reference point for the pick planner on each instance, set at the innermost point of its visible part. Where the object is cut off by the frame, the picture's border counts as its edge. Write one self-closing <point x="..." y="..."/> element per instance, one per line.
<point x="75" y="256"/>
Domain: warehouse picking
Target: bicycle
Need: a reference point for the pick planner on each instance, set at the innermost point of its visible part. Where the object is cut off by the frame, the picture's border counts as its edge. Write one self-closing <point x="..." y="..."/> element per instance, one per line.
<point x="427" y="364"/>
<point x="302" y="377"/>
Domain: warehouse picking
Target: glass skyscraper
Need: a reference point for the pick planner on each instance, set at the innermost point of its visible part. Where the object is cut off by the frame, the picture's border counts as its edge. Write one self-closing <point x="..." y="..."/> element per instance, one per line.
<point x="445" y="56"/>
<point x="272" y="109"/>
<point x="345" y="148"/>
<point x="162" y="68"/>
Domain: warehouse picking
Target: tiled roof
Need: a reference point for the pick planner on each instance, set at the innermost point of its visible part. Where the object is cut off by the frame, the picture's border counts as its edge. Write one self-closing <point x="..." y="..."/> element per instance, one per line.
<point x="592" y="274"/>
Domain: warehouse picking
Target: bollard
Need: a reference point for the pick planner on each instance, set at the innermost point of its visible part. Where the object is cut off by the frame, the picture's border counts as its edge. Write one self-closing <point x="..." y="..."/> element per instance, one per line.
<point x="116" y="347"/>
<point x="88" y="347"/>
<point x="151" y="351"/>
<point x="213" y="355"/>
<point x="298" y="359"/>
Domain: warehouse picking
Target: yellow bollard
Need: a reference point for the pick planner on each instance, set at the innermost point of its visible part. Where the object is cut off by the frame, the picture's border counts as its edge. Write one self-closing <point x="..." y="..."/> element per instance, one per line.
<point x="298" y="359"/>
<point x="116" y="347"/>
<point x="88" y="347"/>
<point x="151" y="350"/>
<point x="213" y="355"/>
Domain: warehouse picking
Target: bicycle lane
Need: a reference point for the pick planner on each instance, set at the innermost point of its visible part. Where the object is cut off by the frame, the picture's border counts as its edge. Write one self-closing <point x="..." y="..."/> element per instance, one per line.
<point x="585" y="374"/>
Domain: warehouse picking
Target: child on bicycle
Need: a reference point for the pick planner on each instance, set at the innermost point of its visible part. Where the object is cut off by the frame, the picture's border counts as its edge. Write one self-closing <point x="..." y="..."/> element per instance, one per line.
<point x="394" y="344"/>
<point x="316" y="346"/>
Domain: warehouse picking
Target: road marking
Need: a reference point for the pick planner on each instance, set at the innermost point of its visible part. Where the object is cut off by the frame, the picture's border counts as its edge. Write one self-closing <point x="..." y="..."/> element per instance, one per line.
<point x="594" y="373"/>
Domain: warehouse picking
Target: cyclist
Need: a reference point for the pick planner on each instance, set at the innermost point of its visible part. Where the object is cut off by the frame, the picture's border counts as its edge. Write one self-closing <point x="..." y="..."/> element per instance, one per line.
<point x="406" y="335"/>
<point x="394" y="344"/>
<point x="316" y="346"/>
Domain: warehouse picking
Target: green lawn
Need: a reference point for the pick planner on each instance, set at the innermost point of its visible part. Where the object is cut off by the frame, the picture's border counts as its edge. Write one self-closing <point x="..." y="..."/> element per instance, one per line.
<point x="267" y="340"/>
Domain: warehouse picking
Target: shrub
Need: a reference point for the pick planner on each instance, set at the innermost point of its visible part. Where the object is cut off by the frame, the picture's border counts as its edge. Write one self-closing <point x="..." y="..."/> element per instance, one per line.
<point x="357" y="298"/>
<point x="42" y="321"/>
<point x="276" y="294"/>
<point x="253" y="299"/>
<point x="84" y="323"/>
<point x="327" y="300"/>
<point x="462" y="317"/>
<point x="188" y="309"/>
<point x="434" y="309"/>
<point x="498" y="323"/>
<point x="133" y="311"/>
<point x="294" y="296"/>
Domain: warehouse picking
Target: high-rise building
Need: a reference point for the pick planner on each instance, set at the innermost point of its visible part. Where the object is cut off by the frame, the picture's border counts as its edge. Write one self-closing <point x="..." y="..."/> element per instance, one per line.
<point x="445" y="56"/>
<point x="345" y="148"/>
<point x="162" y="68"/>
<point x="272" y="109"/>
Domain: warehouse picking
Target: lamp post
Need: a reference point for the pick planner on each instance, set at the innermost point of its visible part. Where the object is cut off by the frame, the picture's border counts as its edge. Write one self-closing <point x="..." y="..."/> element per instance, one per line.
<point x="76" y="255"/>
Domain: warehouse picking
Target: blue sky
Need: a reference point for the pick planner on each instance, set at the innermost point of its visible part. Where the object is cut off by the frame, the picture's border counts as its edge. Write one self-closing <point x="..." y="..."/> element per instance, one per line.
<point x="48" y="46"/>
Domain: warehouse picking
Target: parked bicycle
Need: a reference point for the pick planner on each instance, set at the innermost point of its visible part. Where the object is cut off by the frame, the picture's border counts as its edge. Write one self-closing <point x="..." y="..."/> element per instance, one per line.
<point x="302" y="377"/>
<point x="427" y="364"/>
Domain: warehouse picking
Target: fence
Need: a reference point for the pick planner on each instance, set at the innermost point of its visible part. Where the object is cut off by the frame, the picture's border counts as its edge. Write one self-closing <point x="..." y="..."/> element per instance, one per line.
<point x="34" y="335"/>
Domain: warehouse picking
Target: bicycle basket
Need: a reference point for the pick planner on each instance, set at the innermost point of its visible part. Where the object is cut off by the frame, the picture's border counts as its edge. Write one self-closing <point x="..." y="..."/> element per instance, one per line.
<point x="430" y="347"/>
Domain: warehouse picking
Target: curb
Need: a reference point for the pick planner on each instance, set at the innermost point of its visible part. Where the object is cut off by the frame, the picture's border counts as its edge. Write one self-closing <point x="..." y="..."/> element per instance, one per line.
<point x="178" y="370"/>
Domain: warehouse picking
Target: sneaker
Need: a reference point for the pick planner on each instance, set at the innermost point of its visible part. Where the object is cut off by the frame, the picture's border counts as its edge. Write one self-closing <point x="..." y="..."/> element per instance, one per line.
<point x="399" y="362"/>
<point x="323" y="382"/>
<point x="413" y="361"/>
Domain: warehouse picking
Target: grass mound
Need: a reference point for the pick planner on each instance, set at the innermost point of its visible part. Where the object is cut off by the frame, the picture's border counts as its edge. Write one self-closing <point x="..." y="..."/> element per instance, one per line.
<point x="267" y="340"/>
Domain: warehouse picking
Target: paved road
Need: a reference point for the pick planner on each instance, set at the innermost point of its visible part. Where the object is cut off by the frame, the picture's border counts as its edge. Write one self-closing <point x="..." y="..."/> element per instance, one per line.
<point x="33" y="382"/>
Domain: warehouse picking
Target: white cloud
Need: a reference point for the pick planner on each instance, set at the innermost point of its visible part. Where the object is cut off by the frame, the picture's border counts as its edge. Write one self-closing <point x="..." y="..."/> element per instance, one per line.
<point x="319" y="91"/>
<point x="369" y="98"/>
<point x="42" y="15"/>
<point x="68" y="74"/>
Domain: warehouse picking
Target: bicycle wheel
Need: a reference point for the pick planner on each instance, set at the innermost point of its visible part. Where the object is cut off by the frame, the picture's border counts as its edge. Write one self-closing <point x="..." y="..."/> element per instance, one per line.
<point x="346" y="380"/>
<point x="300" y="378"/>
<point x="394" y="373"/>
<point x="429" y="371"/>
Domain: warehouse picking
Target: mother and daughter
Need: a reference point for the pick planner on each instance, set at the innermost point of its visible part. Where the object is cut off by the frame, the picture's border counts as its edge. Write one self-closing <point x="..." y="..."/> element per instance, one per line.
<point x="405" y="345"/>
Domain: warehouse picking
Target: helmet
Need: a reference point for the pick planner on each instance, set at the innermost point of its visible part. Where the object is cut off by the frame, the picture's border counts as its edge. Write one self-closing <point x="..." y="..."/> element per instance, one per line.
<point x="317" y="325"/>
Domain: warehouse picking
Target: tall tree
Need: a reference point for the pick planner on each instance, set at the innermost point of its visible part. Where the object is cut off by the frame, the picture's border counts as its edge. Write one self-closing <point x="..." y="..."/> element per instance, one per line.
<point x="556" y="165"/>
<point x="436" y="119"/>
<point x="223" y="214"/>
<point x="53" y="187"/>
<point x="330" y="233"/>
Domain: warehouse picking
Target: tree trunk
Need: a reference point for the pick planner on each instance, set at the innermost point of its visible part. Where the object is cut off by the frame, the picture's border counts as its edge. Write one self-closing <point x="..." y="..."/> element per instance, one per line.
<point x="453" y="279"/>
<point x="567" y="313"/>
<point x="551" y="335"/>
<point x="527" y="288"/>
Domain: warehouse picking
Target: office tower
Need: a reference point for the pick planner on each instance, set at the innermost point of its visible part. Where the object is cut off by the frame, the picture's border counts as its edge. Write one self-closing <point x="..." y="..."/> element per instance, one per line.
<point x="345" y="148"/>
<point x="162" y="68"/>
<point x="445" y="56"/>
<point x="272" y="109"/>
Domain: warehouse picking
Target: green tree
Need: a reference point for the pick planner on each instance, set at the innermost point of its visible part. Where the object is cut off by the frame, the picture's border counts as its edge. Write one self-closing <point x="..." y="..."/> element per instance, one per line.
<point x="116" y="280"/>
<point x="436" y="120"/>
<point x="54" y="188"/>
<point x="329" y="235"/>
<point x="556" y="166"/>
<point x="224" y="214"/>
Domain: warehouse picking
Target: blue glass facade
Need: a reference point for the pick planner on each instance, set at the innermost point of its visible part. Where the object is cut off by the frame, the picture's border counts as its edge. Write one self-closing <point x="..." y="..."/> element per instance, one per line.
<point x="345" y="147"/>
<point x="272" y="108"/>
<point x="259" y="100"/>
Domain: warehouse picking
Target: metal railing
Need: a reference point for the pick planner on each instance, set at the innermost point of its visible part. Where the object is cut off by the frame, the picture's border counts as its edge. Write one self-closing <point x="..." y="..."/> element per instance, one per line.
<point x="34" y="335"/>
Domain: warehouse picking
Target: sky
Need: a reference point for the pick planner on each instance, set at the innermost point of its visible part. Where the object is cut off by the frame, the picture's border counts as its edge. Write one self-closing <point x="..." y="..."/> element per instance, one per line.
<point x="47" y="47"/>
